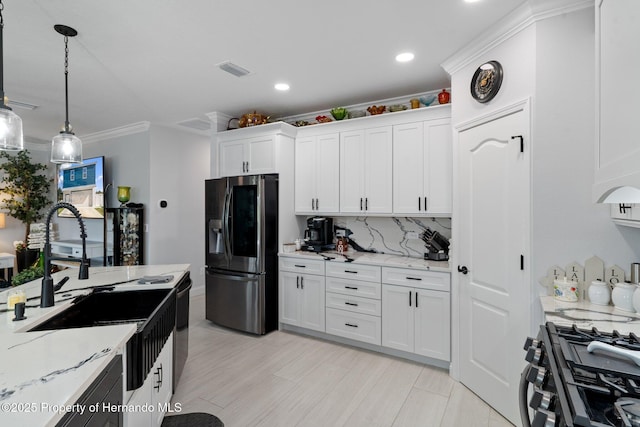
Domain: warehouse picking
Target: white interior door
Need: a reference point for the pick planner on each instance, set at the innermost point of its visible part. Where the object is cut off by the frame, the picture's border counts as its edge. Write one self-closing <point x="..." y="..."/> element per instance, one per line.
<point x="494" y="220"/>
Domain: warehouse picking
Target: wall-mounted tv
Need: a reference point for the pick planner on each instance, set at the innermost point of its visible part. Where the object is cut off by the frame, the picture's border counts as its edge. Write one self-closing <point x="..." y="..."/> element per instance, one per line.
<point x="82" y="185"/>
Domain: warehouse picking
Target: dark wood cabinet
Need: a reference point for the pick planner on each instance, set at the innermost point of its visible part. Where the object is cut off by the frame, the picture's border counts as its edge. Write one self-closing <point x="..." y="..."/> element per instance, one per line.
<point x="124" y="237"/>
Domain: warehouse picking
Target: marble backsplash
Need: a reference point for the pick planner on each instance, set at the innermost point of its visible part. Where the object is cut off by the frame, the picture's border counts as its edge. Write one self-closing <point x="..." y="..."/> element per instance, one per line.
<point x="390" y="235"/>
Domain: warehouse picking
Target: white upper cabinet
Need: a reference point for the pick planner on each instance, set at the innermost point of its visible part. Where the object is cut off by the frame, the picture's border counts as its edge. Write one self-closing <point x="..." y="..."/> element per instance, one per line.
<point x="366" y="171"/>
<point x="317" y="174"/>
<point x="617" y="67"/>
<point x="255" y="150"/>
<point x="422" y="168"/>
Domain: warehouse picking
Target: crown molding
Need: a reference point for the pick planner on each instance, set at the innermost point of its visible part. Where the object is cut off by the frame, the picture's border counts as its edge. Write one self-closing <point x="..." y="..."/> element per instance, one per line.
<point x="521" y="18"/>
<point x="116" y="132"/>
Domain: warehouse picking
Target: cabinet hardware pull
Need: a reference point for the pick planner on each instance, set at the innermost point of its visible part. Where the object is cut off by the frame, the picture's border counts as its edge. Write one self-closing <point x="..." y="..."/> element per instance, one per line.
<point x="419" y="203"/>
<point x="463" y="269"/>
<point x="521" y="262"/>
<point x="425" y="203"/>
<point x="350" y="325"/>
<point x="416" y="299"/>
<point x="247" y="166"/>
<point x="521" y="142"/>
<point x="351" y="287"/>
<point x="351" y="271"/>
<point x="351" y="303"/>
<point x="360" y="203"/>
<point x="414" y="278"/>
<point x="366" y="203"/>
<point x="302" y="283"/>
<point x="312" y="206"/>
<point x="299" y="265"/>
<point x="317" y="205"/>
<point x="409" y="298"/>
<point x="297" y="282"/>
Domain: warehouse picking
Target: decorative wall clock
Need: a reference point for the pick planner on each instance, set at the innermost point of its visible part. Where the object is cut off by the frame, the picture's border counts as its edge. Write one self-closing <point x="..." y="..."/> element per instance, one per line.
<point x="486" y="81"/>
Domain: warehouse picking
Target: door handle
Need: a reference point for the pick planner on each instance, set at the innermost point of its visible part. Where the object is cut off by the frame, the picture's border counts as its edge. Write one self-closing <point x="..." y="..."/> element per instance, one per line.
<point x="463" y="269"/>
<point x="301" y="282"/>
<point x="317" y="205"/>
<point x="419" y="203"/>
<point x="297" y="282"/>
<point x="360" y="203"/>
<point x="409" y="298"/>
<point x="366" y="203"/>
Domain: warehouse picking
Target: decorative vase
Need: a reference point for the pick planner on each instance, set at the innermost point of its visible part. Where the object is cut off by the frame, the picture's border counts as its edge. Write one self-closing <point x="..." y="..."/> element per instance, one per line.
<point x="444" y="97"/>
<point x="124" y="194"/>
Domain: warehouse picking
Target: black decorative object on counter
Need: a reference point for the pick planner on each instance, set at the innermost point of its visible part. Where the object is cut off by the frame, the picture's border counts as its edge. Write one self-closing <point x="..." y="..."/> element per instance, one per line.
<point x="125" y="238"/>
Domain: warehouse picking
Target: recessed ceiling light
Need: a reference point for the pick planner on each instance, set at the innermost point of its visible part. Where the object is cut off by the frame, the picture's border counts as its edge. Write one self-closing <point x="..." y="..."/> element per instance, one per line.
<point x="281" y="86"/>
<point x="404" y="57"/>
<point x="472" y="1"/>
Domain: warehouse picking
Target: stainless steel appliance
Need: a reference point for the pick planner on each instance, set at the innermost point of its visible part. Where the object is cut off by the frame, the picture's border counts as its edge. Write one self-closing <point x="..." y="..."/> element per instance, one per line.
<point x="319" y="234"/>
<point x="241" y="252"/>
<point x="581" y="377"/>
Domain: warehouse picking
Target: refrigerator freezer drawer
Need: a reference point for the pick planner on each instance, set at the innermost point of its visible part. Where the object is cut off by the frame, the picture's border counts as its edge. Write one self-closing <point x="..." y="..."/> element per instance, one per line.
<point x="236" y="301"/>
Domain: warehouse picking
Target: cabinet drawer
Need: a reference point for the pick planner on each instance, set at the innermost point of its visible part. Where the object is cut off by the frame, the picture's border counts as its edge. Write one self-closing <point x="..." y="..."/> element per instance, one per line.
<point x="301" y="265"/>
<point x="356" y="272"/>
<point x="354" y="287"/>
<point x="354" y="304"/>
<point x="417" y="278"/>
<point x="356" y="326"/>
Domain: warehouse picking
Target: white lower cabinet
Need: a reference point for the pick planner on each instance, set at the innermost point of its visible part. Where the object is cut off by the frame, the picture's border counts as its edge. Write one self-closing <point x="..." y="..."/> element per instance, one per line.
<point x="353" y="301"/>
<point x="302" y="295"/>
<point x="416" y="316"/>
<point x="151" y="401"/>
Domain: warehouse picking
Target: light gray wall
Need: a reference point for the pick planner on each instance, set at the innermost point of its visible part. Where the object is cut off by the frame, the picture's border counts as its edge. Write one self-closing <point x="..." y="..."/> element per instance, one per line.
<point x="179" y="164"/>
<point x="126" y="163"/>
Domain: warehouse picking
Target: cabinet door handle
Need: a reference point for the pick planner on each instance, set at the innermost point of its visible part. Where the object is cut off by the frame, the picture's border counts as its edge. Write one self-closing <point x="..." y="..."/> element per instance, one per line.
<point x="419" y="203"/>
<point x="302" y="282"/>
<point x="299" y="265"/>
<point x="351" y="287"/>
<point x="351" y="303"/>
<point x="297" y="282"/>
<point x="416" y="299"/>
<point x="351" y="325"/>
<point x="366" y="203"/>
<point x="360" y="203"/>
<point x="425" y="203"/>
<point x="351" y="271"/>
<point x="409" y="298"/>
<point x="317" y="205"/>
<point x="247" y="166"/>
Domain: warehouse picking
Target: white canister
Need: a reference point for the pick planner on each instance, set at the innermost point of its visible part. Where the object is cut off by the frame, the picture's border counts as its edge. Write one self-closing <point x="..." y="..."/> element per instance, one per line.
<point x="622" y="296"/>
<point x="565" y="290"/>
<point x="636" y="299"/>
<point x="600" y="293"/>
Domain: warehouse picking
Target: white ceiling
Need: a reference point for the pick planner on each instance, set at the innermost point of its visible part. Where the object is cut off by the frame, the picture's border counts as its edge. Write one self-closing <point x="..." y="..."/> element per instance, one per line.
<point x="156" y="60"/>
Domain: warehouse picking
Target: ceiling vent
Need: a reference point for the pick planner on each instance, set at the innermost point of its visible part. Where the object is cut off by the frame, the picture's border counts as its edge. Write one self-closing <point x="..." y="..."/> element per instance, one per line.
<point x="197" y="124"/>
<point x="23" y="105"/>
<point x="234" y="69"/>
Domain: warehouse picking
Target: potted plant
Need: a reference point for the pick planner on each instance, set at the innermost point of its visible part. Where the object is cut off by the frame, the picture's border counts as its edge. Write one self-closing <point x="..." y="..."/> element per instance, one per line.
<point x="26" y="193"/>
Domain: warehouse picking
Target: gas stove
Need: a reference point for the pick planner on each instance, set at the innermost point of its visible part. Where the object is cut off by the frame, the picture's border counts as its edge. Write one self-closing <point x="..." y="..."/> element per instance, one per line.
<point x="581" y="377"/>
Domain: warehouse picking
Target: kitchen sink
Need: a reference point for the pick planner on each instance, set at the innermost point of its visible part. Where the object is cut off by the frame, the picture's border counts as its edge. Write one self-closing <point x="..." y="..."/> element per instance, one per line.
<point x="152" y="310"/>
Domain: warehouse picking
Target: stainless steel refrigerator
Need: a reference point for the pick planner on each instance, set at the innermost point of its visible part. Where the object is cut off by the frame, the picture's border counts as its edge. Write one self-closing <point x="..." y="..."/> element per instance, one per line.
<point x="241" y="215"/>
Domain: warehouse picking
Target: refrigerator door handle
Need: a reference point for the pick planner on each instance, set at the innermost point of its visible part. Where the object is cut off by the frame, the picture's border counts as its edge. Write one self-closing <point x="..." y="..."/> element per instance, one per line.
<point x="226" y="228"/>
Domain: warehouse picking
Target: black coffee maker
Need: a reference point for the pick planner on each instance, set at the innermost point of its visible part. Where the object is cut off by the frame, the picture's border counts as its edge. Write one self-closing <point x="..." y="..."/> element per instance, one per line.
<point x="319" y="234"/>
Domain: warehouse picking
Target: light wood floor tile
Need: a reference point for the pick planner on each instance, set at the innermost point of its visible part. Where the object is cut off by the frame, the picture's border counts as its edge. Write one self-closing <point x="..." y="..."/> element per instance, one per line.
<point x="289" y="380"/>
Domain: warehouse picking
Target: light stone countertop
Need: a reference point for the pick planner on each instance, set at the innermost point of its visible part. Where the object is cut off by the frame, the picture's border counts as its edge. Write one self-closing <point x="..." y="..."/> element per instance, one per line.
<point x="585" y="315"/>
<point x="43" y="371"/>
<point x="383" y="260"/>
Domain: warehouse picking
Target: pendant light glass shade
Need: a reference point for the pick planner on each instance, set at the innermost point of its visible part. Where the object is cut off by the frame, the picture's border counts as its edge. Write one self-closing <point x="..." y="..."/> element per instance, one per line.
<point x="66" y="148"/>
<point x="10" y="130"/>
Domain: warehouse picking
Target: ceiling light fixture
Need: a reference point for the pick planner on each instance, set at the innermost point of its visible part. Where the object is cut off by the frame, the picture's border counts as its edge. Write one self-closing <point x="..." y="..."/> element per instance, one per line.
<point x="282" y="86"/>
<point x="66" y="147"/>
<point x="10" y="123"/>
<point x="404" y="57"/>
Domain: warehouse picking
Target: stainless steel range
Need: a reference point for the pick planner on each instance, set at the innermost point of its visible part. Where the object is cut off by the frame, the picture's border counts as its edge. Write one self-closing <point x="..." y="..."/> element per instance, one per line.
<point x="581" y="377"/>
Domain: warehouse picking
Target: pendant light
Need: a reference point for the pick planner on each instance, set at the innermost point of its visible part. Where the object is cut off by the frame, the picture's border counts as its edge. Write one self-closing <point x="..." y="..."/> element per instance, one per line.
<point x="10" y="123"/>
<point x="66" y="147"/>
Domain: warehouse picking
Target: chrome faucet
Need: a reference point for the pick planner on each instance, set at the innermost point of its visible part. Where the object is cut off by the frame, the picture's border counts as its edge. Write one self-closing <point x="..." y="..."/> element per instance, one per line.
<point x="46" y="296"/>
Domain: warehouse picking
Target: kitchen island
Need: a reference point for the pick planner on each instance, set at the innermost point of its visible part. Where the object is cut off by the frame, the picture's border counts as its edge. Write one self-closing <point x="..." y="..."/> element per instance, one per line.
<point x="43" y="374"/>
